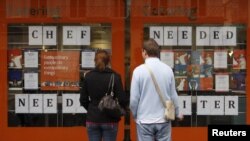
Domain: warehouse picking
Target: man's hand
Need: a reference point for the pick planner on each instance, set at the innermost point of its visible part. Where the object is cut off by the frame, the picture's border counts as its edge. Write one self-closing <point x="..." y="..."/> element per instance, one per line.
<point x="180" y="117"/>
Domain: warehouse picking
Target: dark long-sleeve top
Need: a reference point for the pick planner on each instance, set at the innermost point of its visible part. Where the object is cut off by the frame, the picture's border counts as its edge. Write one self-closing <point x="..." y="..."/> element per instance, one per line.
<point x="93" y="87"/>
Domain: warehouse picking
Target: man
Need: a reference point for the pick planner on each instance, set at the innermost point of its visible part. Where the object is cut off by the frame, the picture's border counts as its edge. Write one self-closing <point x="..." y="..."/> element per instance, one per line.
<point x="145" y="103"/>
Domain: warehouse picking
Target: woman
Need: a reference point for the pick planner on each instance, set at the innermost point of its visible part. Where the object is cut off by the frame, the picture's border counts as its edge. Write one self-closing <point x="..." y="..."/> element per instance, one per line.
<point x="95" y="85"/>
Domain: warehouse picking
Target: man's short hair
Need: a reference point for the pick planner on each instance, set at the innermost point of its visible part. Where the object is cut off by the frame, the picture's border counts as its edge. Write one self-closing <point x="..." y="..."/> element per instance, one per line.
<point x="151" y="47"/>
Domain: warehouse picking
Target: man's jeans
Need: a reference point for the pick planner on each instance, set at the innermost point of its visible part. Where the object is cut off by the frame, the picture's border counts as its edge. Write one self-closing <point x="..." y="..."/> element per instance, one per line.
<point x="105" y="131"/>
<point x="154" y="132"/>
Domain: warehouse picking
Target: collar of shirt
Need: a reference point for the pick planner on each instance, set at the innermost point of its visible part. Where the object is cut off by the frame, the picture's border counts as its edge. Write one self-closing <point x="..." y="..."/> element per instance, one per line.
<point x="151" y="59"/>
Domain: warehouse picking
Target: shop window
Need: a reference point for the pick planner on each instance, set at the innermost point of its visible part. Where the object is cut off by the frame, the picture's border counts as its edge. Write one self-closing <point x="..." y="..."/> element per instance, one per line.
<point x="46" y="64"/>
<point x="209" y="64"/>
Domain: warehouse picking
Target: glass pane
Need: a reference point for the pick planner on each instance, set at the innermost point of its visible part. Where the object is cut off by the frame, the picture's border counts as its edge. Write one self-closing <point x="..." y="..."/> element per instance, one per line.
<point x="46" y="64"/>
<point x="209" y="64"/>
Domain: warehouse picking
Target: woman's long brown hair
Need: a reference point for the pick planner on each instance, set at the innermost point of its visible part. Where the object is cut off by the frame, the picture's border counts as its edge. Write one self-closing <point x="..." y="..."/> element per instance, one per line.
<point x="101" y="59"/>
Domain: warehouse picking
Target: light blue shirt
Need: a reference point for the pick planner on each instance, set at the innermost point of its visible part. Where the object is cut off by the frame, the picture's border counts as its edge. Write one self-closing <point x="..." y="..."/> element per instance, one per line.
<point x="145" y="103"/>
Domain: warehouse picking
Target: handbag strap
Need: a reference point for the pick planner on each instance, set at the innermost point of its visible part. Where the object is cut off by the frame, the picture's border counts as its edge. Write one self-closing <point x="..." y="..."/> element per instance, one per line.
<point x="112" y="82"/>
<point x="111" y="85"/>
<point x="156" y="86"/>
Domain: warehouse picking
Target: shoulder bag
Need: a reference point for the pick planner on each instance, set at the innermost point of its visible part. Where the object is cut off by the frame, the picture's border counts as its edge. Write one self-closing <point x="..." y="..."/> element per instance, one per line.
<point x="169" y="112"/>
<point x="109" y="104"/>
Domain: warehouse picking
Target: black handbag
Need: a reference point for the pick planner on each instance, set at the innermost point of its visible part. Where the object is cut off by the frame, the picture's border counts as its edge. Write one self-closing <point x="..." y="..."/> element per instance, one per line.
<point x="109" y="104"/>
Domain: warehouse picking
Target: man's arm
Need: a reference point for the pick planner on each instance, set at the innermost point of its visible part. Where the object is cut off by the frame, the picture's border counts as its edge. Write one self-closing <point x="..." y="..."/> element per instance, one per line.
<point x="134" y="94"/>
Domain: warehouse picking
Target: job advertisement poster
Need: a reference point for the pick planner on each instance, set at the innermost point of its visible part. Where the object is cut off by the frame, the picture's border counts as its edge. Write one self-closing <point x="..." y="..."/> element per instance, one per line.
<point x="60" y="70"/>
<point x="31" y="59"/>
<point x="167" y="57"/>
<point x="88" y="59"/>
<point x="222" y="82"/>
<point x="31" y="80"/>
<point x="220" y="59"/>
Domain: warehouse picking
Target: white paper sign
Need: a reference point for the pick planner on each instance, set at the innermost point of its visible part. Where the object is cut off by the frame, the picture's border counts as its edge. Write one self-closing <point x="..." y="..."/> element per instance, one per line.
<point x="202" y="36"/>
<point x="21" y="103"/>
<point x="205" y="36"/>
<point x="76" y="35"/>
<point x="83" y="35"/>
<point x="35" y="35"/>
<point x="79" y="108"/>
<point x="50" y="103"/>
<point x="170" y="35"/>
<point x="31" y="59"/>
<point x="167" y="57"/>
<point x="231" y="105"/>
<point x="229" y="36"/>
<point x="36" y="103"/>
<point x="156" y="33"/>
<point x="217" y="105"/>
<point x="69" y="35"/>
<point x="220" y="59"/>
<point x="222" y="82"/>
<point x="71" y="104"/>
<point x="203" y="105"/>
<point x="185" y="36"/>
<point x="49" y="35"/>
<point x="216" y="36"/>
<point x="88" y="58"/>
<point x="210" y="105"/>
<point x="31" y="81"/>
<point x="185" y="105"/>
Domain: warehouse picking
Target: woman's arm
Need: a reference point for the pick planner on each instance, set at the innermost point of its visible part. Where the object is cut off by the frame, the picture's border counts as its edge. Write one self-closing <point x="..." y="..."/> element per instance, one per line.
<point x="84" y="96"/>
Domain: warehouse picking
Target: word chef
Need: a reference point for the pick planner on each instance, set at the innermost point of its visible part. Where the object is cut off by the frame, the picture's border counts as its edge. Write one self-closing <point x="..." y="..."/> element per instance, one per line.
<point x="182" y="35"/>
<point x="47" y="35"/>
<point x="47" y="103"/>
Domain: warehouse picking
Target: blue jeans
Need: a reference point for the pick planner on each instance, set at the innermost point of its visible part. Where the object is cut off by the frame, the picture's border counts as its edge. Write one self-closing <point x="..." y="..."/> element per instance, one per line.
<point x="99" y="131"/>
<point x="154" y="132"/>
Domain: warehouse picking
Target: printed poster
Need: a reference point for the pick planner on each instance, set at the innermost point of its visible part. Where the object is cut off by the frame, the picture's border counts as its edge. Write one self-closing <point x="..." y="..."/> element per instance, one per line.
<point x="193" y="71"/>
<point x="15" y="58"/>
<point x="194" y="83"/>
<point x="31" y="81"/>
<point x="207" y="58"/>
<point x="60" y="70"/>
<point x="222" y="82"/>
<point x="206" y="83"/>
<point x="239" y="59"/>
<point x="206" y="71"/>
<point x="207" y="64"/>
<point x="204" y="61"/>
<point x="181" y="62"/>
<point x="31" y="59"/>
<point x="15" y="79"/>
<point x="88" y="58"/>
<point x="167" y="57"/>
<point x="238" y="81"/>
<point x="220" y="59"/>
<point x="181" y="83"/>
